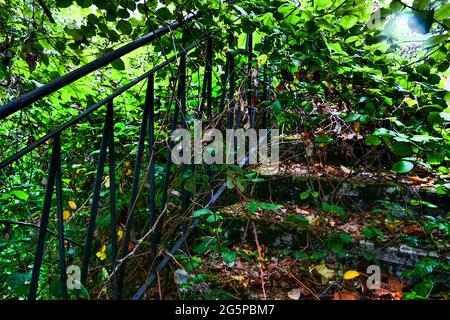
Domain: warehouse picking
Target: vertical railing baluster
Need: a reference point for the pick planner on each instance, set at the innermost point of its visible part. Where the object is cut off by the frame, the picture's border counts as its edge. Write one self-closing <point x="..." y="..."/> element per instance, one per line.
<point x="251" y="110"/>
<point x="231" y="102"/>
<point x="203" y="94"/>
<point x="185" y="194"/>
<point x="265" y="97"/>
<point x="223" y="95"/>
<point x="43" y="225"/>
<point x="112" y="199"/>
<point x="165" y="188"/>
<point x="151" y="141"/>
<point x="209" y="75"/>
<point x="60" y="215"/>
<point x="134" y="193"/>
<point x="95" y="199"/>
<point x="239" y="113"/>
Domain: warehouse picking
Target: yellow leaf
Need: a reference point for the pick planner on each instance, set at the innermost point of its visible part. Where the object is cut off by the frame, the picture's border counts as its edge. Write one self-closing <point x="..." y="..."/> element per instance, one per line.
<point x="120" y="234"/>
<point x="66" y="214"/>
<point x="351" y="274"/>
<point x="325" y="273"/>
<point x="102" y="253"/>
<point x="410" y="102"/>
<point x="262" y="59"/>
<point x="392" y="225"/>
<point x="243" y="280"/>
<point x="357" y="126"/>
<point x="72" y="205"/>
<point x="238" y="278"/>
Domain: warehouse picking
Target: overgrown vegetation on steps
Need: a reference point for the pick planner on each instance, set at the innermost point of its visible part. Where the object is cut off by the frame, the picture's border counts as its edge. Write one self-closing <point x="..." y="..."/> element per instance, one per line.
<point x="309" y="253"/>
<point x="361" y="85"/>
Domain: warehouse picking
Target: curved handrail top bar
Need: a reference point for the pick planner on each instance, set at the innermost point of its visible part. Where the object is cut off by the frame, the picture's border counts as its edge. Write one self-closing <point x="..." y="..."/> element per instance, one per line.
<point x="96" y="106"/>
<point x="76" y="74"/>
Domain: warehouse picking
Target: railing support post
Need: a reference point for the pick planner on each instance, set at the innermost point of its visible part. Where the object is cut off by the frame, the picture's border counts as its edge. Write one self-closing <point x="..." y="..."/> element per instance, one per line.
<point x="250" y="107"/>
<point x="209" y="75"/>
<point x="53" y="176"/>
<point x="107" y="130"/>
<point x="150" y="100"/>
<point x="231" y="102"/>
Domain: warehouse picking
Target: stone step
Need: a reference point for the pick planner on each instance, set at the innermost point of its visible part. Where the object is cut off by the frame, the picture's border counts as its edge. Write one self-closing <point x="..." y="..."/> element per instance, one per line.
<point x="354" y="194"/>
<point x="278" y="233"/>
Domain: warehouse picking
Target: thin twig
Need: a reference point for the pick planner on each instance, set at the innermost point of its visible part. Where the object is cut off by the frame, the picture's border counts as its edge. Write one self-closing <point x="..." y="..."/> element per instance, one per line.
<point x="260" y="258"/>
<point x="46" y="10"/>
<point x="27" y="224"/>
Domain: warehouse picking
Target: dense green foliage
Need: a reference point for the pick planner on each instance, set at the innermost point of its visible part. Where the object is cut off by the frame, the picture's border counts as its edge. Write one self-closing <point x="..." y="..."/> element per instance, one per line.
<point x="316" y="52"/>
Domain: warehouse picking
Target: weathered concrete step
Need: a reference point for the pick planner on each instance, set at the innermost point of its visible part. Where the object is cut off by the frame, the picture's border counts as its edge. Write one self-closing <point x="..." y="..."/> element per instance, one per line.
<point x="293" y="149"/>
<point x="401" y="254"/>
<point x="354" y="194"/>
<point x="393" y="257"/>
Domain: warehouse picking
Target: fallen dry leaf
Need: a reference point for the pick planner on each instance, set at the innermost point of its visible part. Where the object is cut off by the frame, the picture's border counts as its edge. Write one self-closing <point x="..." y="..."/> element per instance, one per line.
<point x="72" y="205"/>
<point x="276" y="276"/>
<point x="301" y="211"/>
<point x="395" y="285"/>
<point x="418" y="180"/>
<point x="392" y="226"/>
<point x="350" y="227"/>
<point x="295" y="294"/>
<point x="287" y="262"/>
<point x="345" y="295"/>
<point x="331" y="170"/>
<point x="381" y="292"/>
<point x="346" y="170"/>
<point x="325" y="273"/>
<point x="413" y="229"/>
<point x="243" y="280"/>
<point x="351" y="274"/>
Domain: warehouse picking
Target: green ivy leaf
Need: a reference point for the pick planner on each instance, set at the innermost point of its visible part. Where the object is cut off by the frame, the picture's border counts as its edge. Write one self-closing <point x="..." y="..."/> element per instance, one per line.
<point x="228" y="256"/>
<point x="435" y="40"/>
<point x="20" y="194"/>
<point x="353" y="117"/>
<point x="301" y="221"/>
<point x="276" y="106"/>
<point x="64" y="3"/>
<point x="201" y="212"/>
<point x="424" y="203"/>
<point x="421" y="4"/>
<point x="321" y="4"/>
<point x="443" y="12"/>
<point x="372" y="140"/>
<point x="424" y="69"/>
<point x="299" y="255"/>
<point x="84" y="3"/>
<point x="252" y="206"/>
<point x="348" y="21"/>
<point x="305" y="195"/>
<point x="124" y="27"/>
<point x="372" y="233"/>
<point x="403" y="166"/>
<point x="118" y="64"/>
<point x="402" y="149"/>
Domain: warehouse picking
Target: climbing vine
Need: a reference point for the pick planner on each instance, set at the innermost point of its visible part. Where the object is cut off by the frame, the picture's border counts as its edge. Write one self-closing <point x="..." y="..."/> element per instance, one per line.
<point x="366" y="78"/>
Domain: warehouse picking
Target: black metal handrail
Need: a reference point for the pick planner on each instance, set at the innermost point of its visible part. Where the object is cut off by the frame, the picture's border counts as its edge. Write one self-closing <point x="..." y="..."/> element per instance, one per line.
<point x="54" y="181"/>
<point x="93" y="108"/>
<point x="106" y="59"/>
